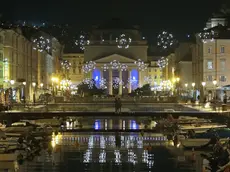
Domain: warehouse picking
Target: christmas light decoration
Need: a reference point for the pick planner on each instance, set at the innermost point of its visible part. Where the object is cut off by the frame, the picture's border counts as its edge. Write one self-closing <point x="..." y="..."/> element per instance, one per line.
<point x="82" y="42"/>
<point x="89" y="82"/>
<point x="85" y="68"/>
<point x="133" y="82"/>
<point x="123" y="41"/>
<point x="117" y="82"/>
<point x="206" y="36"/>
<point x="166" y="40"/>
<point x="115" y="64"/>
<point x="91" y="65"/>
<point x="65" y="64"/>
<point x="141" y="65"/>
<point x="123" y="67"/>
<point x="148" y="79"/>
<point x="42" y="44"/>
<point x="105" y="67"/>
<point x="102" y="83"/>
<point x="162" y="62"/>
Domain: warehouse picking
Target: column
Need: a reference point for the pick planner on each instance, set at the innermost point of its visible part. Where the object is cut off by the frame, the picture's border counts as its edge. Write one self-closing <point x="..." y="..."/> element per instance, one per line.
<point x="139" y="79"/>
<point x="110" y="82"/>
<point x="120" y="84"/>
<point x="129" y="83"/>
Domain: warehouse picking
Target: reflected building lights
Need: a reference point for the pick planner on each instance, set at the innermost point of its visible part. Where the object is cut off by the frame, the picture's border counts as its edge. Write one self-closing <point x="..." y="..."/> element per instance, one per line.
<point x="88" y="156"/>
<point x="132" y="157"/>
<point x="97" y="125"/>
<point x="140" y="143"/>
<point x="106" y="124"/>
<point x="102" y="156"/>
<point x="102" y="142"/>
<point x="148" y="159"/>
<point x="117" y="157"/>
<point x="91" y="142"/>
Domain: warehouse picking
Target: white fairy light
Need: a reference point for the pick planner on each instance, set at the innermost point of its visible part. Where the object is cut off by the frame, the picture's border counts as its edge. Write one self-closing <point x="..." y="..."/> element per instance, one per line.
<point x="148" y="79"/>
<point x="42" y="44"/>
<point x="82" y="42"/>
<point x="162" y="62"/>
<point x="85" y="68"/>
<point x="117" y="82"/>
<point x="115" y="64"/>
<point x="89" y="82"/>
<point x="123" y="67"/>
<point x="123" y="41"/>
<point x="141" y="65"/>
<point x="206" y="36"/>
<point x="102" y="83"/>
<point x="65" y="64"/>
<point x="105" y="67"/>
<point x="91" y="65"/>
<point x="165" y="40"/>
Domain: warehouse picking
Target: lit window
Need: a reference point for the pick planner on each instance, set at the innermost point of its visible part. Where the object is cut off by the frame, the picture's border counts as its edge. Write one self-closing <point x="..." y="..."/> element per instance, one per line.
<point x="209" y="78"/>
<point x="210" y="64"/>
<point x="222" y="49"/>
<point x="223" y="78"/>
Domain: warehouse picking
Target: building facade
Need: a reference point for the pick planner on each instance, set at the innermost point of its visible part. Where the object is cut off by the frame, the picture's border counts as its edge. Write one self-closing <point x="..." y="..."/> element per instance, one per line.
<point x="104" y="51"/>
<point x="25" y="70"/>
<point x="75" y="73"/>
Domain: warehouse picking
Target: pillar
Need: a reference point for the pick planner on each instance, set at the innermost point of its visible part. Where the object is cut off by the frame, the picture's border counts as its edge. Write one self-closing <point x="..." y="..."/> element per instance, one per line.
<point x="120" y="84"/>
<point x="129" y="84"/>
<point x="139" y="79"/>
<point x="110" y="82"/>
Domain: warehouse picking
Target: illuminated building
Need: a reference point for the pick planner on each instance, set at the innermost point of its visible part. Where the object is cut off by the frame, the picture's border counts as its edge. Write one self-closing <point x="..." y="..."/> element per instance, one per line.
<point x="75" y="72"/>
<point x="154" y="71"/>
<point x="22" y="65"/>
<point x="105" y="47"/>
<point x="210" y="57"/>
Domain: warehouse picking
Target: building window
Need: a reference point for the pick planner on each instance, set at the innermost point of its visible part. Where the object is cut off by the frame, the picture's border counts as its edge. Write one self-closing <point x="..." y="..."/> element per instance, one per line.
<point x="1" y="39"/>
<point x="210" y="64"/>
<point x="222" y="49"/>
<point x="74" y="70"/>
<point x="155" y="70"/>
<point x="209" y="78"/>
<point x="155" y="77"/>
<point x="149" y="70"/>
<point x="209" y="50"/>
<point x="223" y="78"/>
<point x="222" y="64"/>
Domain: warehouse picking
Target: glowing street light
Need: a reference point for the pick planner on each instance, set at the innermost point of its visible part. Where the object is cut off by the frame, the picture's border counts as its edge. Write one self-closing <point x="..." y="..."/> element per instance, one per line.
<point x="186" y="85"/>
<point x="24" y="83"/>
<point x="34" y="84"/>
<point x="203" y="84"/>
<point x="12" y="82"/>
<point x="177" y="79"/>
<point x="41" y="85"/>
<point x="214" y="82"/>
<point x="193" y="84"/>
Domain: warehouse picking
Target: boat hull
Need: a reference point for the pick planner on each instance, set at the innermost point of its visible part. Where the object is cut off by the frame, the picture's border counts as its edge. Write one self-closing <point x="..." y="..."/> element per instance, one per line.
<point x="198" y="142"/>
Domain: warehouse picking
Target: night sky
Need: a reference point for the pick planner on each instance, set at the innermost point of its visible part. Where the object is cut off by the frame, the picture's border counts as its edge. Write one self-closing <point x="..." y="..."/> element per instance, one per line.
<point x="180" y="17"/>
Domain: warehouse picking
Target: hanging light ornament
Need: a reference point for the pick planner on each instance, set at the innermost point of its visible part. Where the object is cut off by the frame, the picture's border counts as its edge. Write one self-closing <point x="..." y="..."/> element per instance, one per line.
<point x="123" y="67"/>
<point x="165" y="40"/>
<point x="42" y="44"/>
<point x="85" y="68"/>
<point x="206" y="35"/>
<point x="89" y="82"/>
<point x="65" y="64"/>
<point x="141" y="65"/>
<point x="148" y="79"/>
<point x="162" y="62"/>
<point x="123" y="41"/>
<point x="82" y="42"/>
<point x="91" y="65"/>
<point x="102" y="83"/>
<point x="115" y="64"/>
<point x="105" y="67"/>
<point x="117" y="82"/>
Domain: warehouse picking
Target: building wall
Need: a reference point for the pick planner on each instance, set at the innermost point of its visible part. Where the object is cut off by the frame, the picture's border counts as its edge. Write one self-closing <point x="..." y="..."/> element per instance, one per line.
<point x="185" y="72"/>
<point x="211" y="62"/>
<point x="155" y="73"/>
<point x="22" y="63"/>
<point x="75" y="74"/>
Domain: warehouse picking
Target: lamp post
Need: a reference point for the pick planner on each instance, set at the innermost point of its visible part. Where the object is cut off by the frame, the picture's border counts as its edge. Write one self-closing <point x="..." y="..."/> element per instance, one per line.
<point x="34" y="98"/>
<point x="193" y="90"/>
<point x="203" y="90"/>
<point x="178" y="89"/>
<point x="24" y="93"/>
<point x="214" y="83"/>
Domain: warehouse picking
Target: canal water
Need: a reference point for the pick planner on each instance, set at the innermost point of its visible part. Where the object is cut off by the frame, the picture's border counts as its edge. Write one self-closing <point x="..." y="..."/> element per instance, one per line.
<point x="104" y="152"/>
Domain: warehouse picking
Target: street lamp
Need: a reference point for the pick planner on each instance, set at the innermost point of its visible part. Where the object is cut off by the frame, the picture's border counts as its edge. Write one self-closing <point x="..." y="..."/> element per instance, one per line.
<point x="186" y="85"/>
<point x="24" y="92"/>
<point x="12" y="82"/>
<point x="34" y="85"/>
<point x="41" y="85"/>
<point x="203" y="93"/>
<point x="193" y="95"/>
<point x="214" y="83"/>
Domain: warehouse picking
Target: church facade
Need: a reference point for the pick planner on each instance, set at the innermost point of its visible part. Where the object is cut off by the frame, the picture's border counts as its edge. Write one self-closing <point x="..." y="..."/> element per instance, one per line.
<point x="107" y="48"/>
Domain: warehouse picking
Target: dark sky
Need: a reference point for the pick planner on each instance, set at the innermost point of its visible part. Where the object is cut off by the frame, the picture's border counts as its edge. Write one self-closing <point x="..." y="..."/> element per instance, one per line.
<point x="179" y="17"/>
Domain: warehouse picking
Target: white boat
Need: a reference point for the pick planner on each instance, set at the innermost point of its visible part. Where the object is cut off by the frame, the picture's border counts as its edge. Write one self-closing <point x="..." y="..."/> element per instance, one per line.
<point x="189" y="120"/>
<point x="198" y="128"/>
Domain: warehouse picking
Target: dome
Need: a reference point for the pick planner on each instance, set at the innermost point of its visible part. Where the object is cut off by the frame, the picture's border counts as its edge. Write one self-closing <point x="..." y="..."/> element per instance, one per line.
<point x="116" y="24"/>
